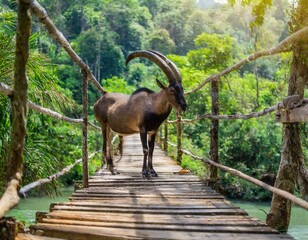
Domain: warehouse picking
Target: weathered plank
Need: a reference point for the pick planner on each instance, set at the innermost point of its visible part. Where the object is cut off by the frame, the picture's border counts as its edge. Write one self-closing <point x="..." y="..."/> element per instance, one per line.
<point x="164" y="226"/>
<point x="204" y="211"/>
<point x="242" y="220"/>
<point x="172" y="206"/>
<point x="148" y="201"/>
<point x="23" y="236"/>
<point x="91" y="233"/>
<point x="205" y="205"/>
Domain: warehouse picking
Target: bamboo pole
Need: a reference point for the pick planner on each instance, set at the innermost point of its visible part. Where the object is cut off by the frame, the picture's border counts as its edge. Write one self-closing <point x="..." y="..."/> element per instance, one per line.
<point x="85" y="170"/>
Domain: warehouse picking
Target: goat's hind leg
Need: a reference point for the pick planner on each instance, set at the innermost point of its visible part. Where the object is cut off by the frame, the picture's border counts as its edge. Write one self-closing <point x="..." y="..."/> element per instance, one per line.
<point x="107" y="149"/>
<point x="120" y="147"/>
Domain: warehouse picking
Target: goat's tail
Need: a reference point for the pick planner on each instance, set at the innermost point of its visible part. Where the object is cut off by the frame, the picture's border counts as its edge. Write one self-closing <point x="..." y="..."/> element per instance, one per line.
<point x="120" y="147"/>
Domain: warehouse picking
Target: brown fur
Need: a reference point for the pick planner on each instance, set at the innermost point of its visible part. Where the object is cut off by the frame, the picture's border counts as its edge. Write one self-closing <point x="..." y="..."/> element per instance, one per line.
<point x="142" y="112"/>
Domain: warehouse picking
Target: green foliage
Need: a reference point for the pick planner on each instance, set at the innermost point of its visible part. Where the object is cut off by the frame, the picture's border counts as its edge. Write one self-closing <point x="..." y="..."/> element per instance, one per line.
<point x="93" y="46"/>
<point x="214" y="52"/>
<point x="160" y="40"/>
<point x="201" y="41"/>
<point x="118" y="85"/>
<point x="258" y="9"/>
<point x="240" y="189"/>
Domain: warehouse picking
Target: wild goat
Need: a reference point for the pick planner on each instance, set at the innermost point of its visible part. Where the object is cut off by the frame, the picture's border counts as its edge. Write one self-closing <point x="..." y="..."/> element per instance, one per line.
<point x="142" y="112"/>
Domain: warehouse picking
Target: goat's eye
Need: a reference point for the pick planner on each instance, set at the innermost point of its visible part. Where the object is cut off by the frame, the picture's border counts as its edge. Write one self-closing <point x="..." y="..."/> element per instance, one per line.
<point x="172" y="90"/>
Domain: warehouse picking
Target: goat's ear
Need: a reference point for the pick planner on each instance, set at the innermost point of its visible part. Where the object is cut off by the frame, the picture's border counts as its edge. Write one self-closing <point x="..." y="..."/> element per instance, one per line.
<point x="160" y="84"/>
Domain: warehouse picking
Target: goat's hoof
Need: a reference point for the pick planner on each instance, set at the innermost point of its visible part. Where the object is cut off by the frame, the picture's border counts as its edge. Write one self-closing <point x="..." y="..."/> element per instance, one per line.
<point x="145" y="174"/>
<point x="114" y="172"/>
<point x="153" y="173"/>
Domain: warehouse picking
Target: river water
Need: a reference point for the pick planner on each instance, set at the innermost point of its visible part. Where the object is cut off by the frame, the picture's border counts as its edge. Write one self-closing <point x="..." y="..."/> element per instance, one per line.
<point x="299" y="218"/>
<point x="28" y="207"/>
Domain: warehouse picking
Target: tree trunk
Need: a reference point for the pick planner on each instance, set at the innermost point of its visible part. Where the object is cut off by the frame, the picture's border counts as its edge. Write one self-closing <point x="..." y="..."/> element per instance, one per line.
<point x="292" y="169"/>
<point x="19" y="109"/>
<point x="19" y="98"/>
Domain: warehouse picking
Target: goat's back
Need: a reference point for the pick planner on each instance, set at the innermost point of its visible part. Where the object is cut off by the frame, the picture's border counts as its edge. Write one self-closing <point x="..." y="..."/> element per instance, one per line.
<point x="119" y="111"/>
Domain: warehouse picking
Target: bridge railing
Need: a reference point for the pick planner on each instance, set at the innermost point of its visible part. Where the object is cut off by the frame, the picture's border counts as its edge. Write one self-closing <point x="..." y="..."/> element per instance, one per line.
<point x="10" y="197"/>
<point x="292" y="103"/>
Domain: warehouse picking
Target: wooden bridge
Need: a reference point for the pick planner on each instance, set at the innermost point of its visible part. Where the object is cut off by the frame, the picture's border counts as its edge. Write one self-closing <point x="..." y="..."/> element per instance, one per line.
<point x="125" y="206"/>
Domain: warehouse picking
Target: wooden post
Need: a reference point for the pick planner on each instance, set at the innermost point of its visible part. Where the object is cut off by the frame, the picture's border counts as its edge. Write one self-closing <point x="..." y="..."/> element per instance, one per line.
<point x="179" y="137"/>
<point x="8" y="228"/>
<point x="19" y="99"/>
<point x="85" y="171"/>
<point x="213" y="171"/>
<point x="166" y="137"/>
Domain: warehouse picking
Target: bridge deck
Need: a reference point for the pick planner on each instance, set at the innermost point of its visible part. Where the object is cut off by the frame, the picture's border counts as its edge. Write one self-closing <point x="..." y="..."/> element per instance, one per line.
<point x="172" y="206"/>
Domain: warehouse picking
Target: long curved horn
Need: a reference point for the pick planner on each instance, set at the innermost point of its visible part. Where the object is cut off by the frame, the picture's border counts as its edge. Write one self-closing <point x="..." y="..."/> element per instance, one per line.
<point x="157" y="60"/>
<point x="173" y="67"/>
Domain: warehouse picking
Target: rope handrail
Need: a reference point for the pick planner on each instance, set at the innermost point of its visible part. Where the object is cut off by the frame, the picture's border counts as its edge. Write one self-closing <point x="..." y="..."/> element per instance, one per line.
<point x="300" y="202"/>
<point x="279" y="48"/>
<point x="278" y="106"/>
<point x="231" y="117"/>
<point x="8" y="91"/>
<point x="28" y="187"/>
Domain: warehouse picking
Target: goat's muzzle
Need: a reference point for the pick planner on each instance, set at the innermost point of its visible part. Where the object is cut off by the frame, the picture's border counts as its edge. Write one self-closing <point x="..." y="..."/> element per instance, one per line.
<point x="183" y="106"/>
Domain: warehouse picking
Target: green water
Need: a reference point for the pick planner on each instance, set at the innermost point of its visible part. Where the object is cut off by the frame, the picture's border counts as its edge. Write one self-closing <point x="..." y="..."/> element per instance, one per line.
<point x="28" y="207"/>
<point x="299" y="219"/>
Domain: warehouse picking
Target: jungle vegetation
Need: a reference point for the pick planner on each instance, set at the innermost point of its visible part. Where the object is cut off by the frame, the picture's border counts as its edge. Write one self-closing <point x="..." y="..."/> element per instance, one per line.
<point x="201" y="38"/>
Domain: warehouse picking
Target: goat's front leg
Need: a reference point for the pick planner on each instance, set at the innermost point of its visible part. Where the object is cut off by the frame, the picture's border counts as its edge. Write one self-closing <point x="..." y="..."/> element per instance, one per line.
<point x="151" y="150"/>
<point x="144" y="141"/>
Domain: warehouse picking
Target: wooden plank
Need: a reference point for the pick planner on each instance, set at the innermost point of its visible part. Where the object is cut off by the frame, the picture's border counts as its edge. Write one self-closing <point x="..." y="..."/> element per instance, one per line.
<point x="149" y="201"/>
<point x="148" y="190"/>
<point x="146" y="182"/>
<point x="133" y="176"/>
<point x="204" y="211"/>
<point x="94" y="233"/>
<point x="209" y="204"/>
<point x="24" y="236"/>
<point x="241" y="220"/>
<point x="138" y="196"/>
<point x="165" y="227"/>
<point x="136" y="187"/>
